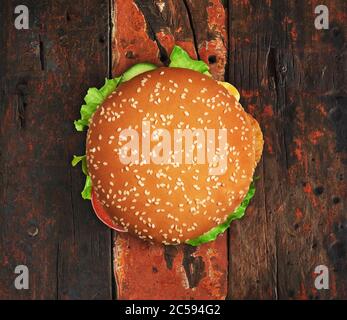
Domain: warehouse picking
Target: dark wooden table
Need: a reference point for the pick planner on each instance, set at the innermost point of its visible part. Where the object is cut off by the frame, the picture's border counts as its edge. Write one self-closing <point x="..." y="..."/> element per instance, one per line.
<point x="292" y="78"/>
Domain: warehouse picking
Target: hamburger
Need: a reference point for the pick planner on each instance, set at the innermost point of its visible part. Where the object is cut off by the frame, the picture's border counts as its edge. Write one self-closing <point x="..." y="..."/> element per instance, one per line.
<point x="170" y="152"/>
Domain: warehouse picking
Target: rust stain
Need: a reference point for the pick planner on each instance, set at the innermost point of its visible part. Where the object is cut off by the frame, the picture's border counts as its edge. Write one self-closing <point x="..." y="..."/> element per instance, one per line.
<point x="298" y="214"/>
<point x="309" y="192"/>
<point x="332" y="285"/>
<point x="251" y="108"/>
<point x="302" y="292"/>
<point x="340" y="15"/>
<point x="307" y="228"/>
<point x="5" y="261"/>
<point x="268" y="111"/>
<point x="268" y="144"/>
<point x="290" y="25"/>
<point x="244" y="2"/>
<point x="287" y="20"/>
<point x="315" y="135"/>
<point x="217" y="16"/>
<point x="320" y="107"/>
<point x="293" y="33"/>
<point x="300" y="115"/>
<point x="298" y="149"/>
<point x="308" y="188"/>
<point x="247" y="94"/>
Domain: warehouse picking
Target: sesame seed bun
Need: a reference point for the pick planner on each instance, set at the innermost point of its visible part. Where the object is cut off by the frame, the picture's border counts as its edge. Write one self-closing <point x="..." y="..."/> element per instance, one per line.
<point x="164" y="202"/>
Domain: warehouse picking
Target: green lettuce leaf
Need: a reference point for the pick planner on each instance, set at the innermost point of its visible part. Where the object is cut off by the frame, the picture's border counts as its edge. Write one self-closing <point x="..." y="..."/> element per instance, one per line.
<point x="181" y="59"/>
<point x="87" y="190"/>
<point x="93" y="99"/>
<point x="137" y="69"/>
<point x="78" y="159"/>
<point x="237" y="214"/>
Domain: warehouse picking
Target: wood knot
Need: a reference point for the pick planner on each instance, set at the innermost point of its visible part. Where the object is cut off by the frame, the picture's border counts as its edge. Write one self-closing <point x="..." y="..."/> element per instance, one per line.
<point x="212" y="59"/>
<point x="336" y="200"/>
<point x="318" y="190"/>
<point x="33" y="231"/>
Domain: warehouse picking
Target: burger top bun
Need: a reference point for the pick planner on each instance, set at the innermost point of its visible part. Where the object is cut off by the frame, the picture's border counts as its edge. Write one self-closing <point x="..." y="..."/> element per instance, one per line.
<point x="171" y="202"/>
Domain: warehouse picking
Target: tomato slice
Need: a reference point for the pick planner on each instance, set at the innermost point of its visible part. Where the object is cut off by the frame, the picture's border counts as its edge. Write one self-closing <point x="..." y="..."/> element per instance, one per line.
<point x="102" y="214"/>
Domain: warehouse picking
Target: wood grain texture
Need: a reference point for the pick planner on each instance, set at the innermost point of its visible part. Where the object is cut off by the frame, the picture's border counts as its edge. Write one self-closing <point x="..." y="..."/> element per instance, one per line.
<point x="293" y="80"/>
<point x="44" y="223"/>
<point x="158" y="272"/>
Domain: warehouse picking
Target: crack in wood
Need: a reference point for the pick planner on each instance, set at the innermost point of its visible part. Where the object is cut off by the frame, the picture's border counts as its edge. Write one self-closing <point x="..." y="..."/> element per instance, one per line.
<point x="151" y="18"/>
<point x="41" y="54"/>
<point x="170" y="253"/>
<point x="271" y="64"/>
<point x="194" y="267"/>
<point x="191" y="23"/>
<point x="21" y="104"/>
<point x="67" y="16"/>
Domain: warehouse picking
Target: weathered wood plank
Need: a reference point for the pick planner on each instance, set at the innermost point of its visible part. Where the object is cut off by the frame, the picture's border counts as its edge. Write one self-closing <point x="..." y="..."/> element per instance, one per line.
<point x="44" y="223"/>
<point x="146" y="271"/>
<point x="156" y="272"/>
<point x="293" y="79"/>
